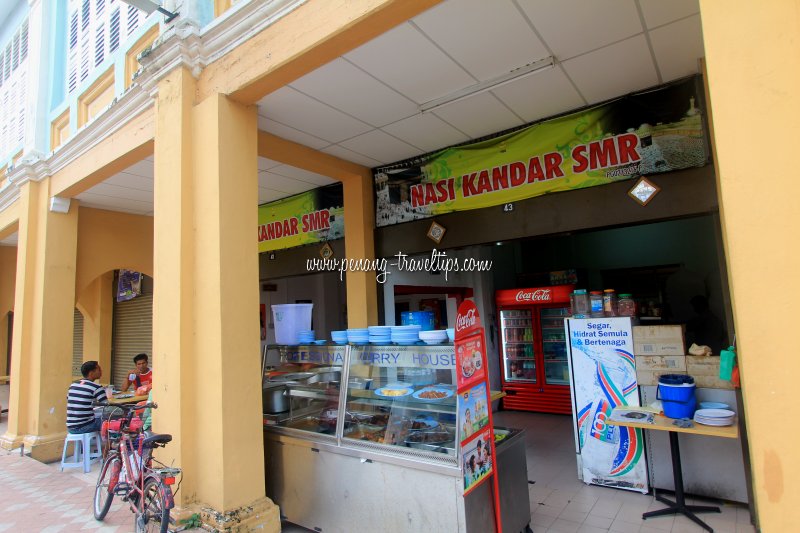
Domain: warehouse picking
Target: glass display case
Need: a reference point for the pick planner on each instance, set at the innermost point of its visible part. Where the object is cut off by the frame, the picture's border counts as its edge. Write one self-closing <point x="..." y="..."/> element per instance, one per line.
<point x="301" y="387"/>
<point x="410" y="402"/>
<point x="554" y="346"/>
<point x="519" y="357"/>
<point x="377" y="423"/>
<point x="401" y="398"/>
<point x="535" y="372"/>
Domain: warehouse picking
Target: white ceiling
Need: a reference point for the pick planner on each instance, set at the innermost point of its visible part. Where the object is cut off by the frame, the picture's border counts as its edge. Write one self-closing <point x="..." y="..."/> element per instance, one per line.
<point x="364" y="106"/>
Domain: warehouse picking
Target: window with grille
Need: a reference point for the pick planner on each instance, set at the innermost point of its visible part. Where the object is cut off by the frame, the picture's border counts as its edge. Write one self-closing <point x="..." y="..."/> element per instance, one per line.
<point x="13" y="90"/>
<point x="97" y="28"/>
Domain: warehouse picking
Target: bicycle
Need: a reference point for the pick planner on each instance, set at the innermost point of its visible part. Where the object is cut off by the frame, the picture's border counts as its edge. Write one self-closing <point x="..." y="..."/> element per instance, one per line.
<point x="128" y="470"/>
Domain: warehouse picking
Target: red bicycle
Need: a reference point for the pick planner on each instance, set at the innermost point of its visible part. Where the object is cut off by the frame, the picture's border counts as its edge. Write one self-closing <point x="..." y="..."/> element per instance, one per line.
<point x="129" y="470"/>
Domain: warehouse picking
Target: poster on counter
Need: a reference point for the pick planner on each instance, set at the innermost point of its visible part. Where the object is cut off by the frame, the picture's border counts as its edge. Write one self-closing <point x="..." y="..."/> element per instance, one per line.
<point x="476" y="430"/>
<point x="477" y="455"/>
<point x="306" y="218"/>
<point x="603" y="378"/>
<point x="473" y="411"/>
<point x="655" y="131"/>
<point x="470" y="355"/>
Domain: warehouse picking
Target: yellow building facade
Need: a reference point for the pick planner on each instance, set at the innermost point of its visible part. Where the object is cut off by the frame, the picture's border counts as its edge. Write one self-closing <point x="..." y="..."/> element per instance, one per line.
<point x="197" y="118"/>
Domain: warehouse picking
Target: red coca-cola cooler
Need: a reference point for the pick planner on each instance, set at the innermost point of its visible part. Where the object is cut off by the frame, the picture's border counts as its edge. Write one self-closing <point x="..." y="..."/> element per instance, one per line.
<point x="534" y="371"/>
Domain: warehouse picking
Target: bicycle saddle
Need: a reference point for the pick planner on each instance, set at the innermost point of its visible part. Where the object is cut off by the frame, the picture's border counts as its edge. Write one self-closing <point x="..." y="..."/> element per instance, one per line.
<point x="157" y="439"/>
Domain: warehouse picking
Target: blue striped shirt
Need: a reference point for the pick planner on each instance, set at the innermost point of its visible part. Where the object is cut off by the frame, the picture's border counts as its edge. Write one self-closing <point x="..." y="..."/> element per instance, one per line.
<point x="80" y="398"/>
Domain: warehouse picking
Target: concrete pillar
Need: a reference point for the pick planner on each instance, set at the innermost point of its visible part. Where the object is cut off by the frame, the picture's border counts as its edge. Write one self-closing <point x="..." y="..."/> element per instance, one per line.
<point x="205" y="333"/>
<point x="8" y="274"/>
<point x="41" y="358"/>
<point x="96" y="303"/>
<point x="754" y="106"/>
<point x="359" y="243"/>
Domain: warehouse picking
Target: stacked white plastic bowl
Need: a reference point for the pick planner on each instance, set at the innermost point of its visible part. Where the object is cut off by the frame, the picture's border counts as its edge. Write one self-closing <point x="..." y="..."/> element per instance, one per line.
<point x="434" y="336"/>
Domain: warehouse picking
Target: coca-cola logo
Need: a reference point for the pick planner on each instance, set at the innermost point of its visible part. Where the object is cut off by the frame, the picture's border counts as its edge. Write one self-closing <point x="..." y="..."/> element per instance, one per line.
<point x="539" y="295"/>
<point x="467" y="320"/>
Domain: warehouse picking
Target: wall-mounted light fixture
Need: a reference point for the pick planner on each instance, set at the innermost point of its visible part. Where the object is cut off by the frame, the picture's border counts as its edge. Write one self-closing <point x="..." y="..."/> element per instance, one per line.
<point x="149" y="6"/>
<point x="488" y="85"/>
<point x="59" y="205"/>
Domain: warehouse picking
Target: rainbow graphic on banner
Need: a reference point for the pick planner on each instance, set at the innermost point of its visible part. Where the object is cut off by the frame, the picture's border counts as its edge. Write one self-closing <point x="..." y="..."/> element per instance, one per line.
<point x="583" y="416"/>
<point x="630" y="442"/>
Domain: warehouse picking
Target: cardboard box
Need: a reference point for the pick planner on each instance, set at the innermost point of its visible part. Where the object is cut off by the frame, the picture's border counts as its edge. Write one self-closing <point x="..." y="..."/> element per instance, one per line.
<point x="700" y="365"/>
<point x="658" y="340"/>
<point x="661" y="362"/>
<point x="712" y="382"/>
<point x="650" y="377"/>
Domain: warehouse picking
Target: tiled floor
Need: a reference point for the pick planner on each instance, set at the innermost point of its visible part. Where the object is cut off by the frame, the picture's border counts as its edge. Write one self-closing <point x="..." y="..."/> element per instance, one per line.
<point x="562" y="503"/>
<point x="49" y="500"/>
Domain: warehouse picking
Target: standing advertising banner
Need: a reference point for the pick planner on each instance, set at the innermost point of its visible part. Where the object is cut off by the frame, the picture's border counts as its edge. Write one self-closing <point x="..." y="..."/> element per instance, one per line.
<point x="655" y="131"/>
<point x="305" y="218"/>
<point x="477" y="449"/>
<point x="603" y="372"/>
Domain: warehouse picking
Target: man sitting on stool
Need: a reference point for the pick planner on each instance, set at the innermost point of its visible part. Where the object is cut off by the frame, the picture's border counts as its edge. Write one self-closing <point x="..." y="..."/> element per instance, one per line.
<point x="81" y="397"/>
<point x="142" y="377"/>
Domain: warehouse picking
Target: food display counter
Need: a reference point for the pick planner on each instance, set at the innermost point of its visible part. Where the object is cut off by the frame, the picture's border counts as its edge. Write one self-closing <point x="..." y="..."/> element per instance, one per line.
<point x="381" y="450"/>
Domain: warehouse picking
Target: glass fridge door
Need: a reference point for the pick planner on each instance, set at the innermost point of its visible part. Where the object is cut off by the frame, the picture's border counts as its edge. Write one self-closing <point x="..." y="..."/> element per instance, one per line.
<point x="519" y="358"/>
<point x="554" y="346"/>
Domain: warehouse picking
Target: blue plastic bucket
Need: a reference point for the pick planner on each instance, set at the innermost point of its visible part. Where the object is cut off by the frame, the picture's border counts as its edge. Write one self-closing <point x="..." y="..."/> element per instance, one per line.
<point x="676" y="392"/>
<point x="679" y="409"/>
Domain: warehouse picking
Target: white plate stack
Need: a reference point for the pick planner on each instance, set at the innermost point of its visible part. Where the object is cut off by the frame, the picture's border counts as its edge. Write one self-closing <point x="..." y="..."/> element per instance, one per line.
<point x="714" y="417"/>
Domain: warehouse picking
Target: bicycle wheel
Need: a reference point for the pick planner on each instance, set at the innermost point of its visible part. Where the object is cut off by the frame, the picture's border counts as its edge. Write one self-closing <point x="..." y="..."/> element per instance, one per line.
<point x="152" y="514"/>
<point x="104" y="490"/>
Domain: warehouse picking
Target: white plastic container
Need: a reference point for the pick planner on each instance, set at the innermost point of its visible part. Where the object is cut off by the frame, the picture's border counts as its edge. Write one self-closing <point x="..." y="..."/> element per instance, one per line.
<point x="289" y="319"/>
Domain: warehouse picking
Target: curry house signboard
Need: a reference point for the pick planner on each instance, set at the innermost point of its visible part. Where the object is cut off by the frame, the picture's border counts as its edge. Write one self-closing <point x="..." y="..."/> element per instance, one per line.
<point x="655" y="131"/>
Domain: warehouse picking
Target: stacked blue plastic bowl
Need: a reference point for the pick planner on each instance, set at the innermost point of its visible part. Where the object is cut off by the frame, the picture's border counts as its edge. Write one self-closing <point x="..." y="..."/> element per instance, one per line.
<point x="358" y="335"/>
<point x="339" y="337"/>
<point x="405" y="335"/>
<point x="305" y="336"/>
<point x="380" y="334"/>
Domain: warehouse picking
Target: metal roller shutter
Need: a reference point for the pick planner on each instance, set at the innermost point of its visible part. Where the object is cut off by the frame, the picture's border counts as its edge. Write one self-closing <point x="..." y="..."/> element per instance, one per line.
<point x="77" y="344"/>
<point x="133" y="332"/>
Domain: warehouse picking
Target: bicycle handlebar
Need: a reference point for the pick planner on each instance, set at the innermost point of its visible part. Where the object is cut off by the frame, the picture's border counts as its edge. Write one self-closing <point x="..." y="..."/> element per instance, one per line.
<point x="132" y="406"/>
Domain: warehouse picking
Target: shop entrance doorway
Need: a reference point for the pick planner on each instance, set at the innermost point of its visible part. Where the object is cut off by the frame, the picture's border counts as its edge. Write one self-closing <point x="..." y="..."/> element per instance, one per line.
<point x="441" y="301"/>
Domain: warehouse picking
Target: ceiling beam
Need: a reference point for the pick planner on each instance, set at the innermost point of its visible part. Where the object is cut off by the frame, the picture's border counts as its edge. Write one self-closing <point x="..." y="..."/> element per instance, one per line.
<point x="312" y="35"/>
<point x="9" y="220"/>
<point x="301" y="156"/>
<point x="126" y="146"/>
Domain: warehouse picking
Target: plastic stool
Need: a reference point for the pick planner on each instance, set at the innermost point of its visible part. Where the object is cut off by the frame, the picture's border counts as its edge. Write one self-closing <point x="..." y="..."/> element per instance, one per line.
<point x="85" y="456"/>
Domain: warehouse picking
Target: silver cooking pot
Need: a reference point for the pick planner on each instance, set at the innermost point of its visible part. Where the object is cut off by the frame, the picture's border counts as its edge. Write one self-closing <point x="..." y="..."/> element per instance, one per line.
<point x="275" y="397"/>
